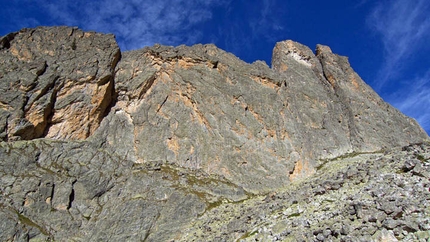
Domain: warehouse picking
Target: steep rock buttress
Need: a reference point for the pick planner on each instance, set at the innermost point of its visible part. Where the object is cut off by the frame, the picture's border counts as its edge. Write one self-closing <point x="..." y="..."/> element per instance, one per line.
<point x="197" y="107"/>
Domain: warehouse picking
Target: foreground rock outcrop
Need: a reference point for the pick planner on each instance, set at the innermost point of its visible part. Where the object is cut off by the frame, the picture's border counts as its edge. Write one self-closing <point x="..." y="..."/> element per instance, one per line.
<point x="191" y="143"/>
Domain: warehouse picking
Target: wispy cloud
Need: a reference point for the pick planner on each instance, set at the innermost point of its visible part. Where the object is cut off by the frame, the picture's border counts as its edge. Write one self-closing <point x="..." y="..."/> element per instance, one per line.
<point x="251" y="25"/>
<point x="415" y="100"/>
<point x="404" y="27"/>
<point x="136" y="23"/>
<point x="267" y="23"/>
<point x="361" y="3"/>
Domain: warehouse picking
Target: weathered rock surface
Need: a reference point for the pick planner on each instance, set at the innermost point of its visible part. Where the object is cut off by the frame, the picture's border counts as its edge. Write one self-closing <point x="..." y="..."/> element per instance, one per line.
<point x="74" y="190"/>
<point x="202" y="108"/>
<point x="55" y="82"/>
<point x="193" y="144"/>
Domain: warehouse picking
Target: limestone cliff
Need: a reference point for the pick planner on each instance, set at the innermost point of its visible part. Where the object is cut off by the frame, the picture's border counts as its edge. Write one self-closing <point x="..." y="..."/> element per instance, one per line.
<point x="147" y="144"/>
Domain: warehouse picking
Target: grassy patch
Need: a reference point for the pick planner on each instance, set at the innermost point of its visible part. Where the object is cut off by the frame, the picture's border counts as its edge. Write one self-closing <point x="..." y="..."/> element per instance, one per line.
<point x="24" y="220"/>
<point x="421" y="158"/>
<point x="345" y="156"/>
<point x="294" y="215"/>
<point x="247" y="235"/>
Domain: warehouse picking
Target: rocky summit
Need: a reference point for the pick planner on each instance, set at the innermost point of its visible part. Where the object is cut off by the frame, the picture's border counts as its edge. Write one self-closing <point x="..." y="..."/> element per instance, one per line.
<point x="193" y="144"/>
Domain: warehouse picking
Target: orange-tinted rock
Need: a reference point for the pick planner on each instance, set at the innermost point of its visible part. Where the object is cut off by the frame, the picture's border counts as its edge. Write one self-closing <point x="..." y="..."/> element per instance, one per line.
<point x="196" y="107"/>
<point x="57" y="82"/>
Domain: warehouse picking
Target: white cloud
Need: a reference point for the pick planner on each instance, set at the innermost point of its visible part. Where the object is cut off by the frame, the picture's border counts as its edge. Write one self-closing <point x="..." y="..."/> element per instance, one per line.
<point x="415" y="100"/>
<point x="361" y="3"/>
<point x="267" y="24"/>
<point x="404" y="29"/>
<point x="137" y="23"/>
<point x="404" y="26"/>
<point x="260" y="24"/>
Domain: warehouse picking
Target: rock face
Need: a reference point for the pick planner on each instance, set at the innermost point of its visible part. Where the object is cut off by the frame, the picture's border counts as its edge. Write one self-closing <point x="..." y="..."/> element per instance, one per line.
<point x="55" y="83"/>
<point x="193" y="144"/>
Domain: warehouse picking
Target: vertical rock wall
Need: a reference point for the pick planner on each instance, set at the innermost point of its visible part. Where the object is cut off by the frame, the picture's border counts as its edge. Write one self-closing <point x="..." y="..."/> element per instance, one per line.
<point x="197" y="107"/>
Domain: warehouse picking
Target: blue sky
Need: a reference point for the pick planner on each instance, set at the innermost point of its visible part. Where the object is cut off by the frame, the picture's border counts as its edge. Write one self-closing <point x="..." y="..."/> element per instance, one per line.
<point x="387" y="41"/>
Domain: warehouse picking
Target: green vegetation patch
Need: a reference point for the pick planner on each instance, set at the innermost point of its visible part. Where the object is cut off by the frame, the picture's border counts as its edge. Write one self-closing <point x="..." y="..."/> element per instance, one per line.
<point x="24" y="220"/>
